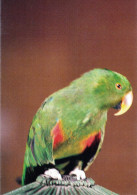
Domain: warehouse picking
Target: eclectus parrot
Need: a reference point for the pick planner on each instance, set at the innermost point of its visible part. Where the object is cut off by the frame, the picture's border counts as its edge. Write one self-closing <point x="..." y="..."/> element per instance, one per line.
<point x="68" y="130"/>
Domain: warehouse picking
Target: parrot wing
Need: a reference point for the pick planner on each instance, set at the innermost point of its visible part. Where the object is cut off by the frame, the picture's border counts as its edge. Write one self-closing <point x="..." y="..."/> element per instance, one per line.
<point x="39" y="147"/>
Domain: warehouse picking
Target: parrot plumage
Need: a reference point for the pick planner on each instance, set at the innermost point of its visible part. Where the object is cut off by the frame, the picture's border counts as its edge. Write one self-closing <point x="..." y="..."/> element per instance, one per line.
<point x="68" y="130"/>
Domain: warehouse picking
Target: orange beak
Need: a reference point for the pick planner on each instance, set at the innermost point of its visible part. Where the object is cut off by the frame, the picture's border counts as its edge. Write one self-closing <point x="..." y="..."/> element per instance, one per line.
<point x="126" y="103"/>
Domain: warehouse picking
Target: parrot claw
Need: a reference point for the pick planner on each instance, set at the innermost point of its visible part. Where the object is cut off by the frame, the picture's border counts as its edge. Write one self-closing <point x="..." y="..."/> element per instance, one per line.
<point x="79" y="173"/>
<point x="53" y="173"/>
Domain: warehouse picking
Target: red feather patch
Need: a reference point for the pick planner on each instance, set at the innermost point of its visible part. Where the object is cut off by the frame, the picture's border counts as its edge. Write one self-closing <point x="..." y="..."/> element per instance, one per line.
<point x="89" y="140"/>
<point x="58" y="134"/>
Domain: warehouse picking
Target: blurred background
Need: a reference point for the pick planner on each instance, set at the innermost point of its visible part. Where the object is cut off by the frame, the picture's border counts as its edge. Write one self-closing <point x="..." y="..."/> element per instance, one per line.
<point x="45" y="45"/>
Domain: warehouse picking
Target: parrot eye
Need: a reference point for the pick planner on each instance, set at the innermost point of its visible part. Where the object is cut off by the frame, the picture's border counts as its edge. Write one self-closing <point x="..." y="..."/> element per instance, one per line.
<point x="118" y="86"/>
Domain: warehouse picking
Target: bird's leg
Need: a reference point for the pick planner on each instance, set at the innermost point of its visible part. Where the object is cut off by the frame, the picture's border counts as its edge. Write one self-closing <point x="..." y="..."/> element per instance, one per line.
<point x="53" y="173"/>
<point x="80" y="174"/>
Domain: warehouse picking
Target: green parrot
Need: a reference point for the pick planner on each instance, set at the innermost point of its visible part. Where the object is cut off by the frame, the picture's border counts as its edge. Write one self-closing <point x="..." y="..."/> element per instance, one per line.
<point x="68" y="130"/>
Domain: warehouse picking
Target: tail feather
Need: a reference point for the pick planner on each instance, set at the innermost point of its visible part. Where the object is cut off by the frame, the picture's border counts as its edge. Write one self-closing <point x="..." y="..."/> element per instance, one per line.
<point x="19" y="180"/>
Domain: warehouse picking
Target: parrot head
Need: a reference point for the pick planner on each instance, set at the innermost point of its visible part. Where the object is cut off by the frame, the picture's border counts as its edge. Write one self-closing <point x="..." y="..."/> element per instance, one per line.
<point x="112" y="90"/>
<point x="121" y="97"/>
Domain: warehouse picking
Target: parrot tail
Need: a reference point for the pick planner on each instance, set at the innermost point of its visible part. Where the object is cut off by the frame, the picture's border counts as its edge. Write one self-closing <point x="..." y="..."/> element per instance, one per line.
<point x="18" y="180"/>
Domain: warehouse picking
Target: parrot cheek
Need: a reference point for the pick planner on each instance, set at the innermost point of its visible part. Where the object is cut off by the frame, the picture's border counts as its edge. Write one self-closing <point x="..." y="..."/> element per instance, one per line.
<point x="125" y="104"/>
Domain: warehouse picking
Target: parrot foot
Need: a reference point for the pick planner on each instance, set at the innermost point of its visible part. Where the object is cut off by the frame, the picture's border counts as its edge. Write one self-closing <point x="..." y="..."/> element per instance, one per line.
<point x="53" y="173"/>
<point x="79" y="173"/>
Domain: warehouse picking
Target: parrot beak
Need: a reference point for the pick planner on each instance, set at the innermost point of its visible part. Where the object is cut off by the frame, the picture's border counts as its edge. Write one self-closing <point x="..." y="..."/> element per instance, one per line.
<point x="125" y="104"/>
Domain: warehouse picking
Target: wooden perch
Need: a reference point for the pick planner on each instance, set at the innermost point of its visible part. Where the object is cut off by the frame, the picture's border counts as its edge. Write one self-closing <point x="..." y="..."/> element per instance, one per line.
<point x="67" y="186"/>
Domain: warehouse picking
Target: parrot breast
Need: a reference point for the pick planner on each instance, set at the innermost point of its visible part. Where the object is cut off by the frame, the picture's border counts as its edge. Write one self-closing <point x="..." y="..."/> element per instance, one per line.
<point x="90" y="146"/>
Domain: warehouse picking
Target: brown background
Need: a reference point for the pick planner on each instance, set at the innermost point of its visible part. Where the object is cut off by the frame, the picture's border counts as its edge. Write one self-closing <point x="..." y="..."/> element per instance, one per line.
<point x="45" y="45"/>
